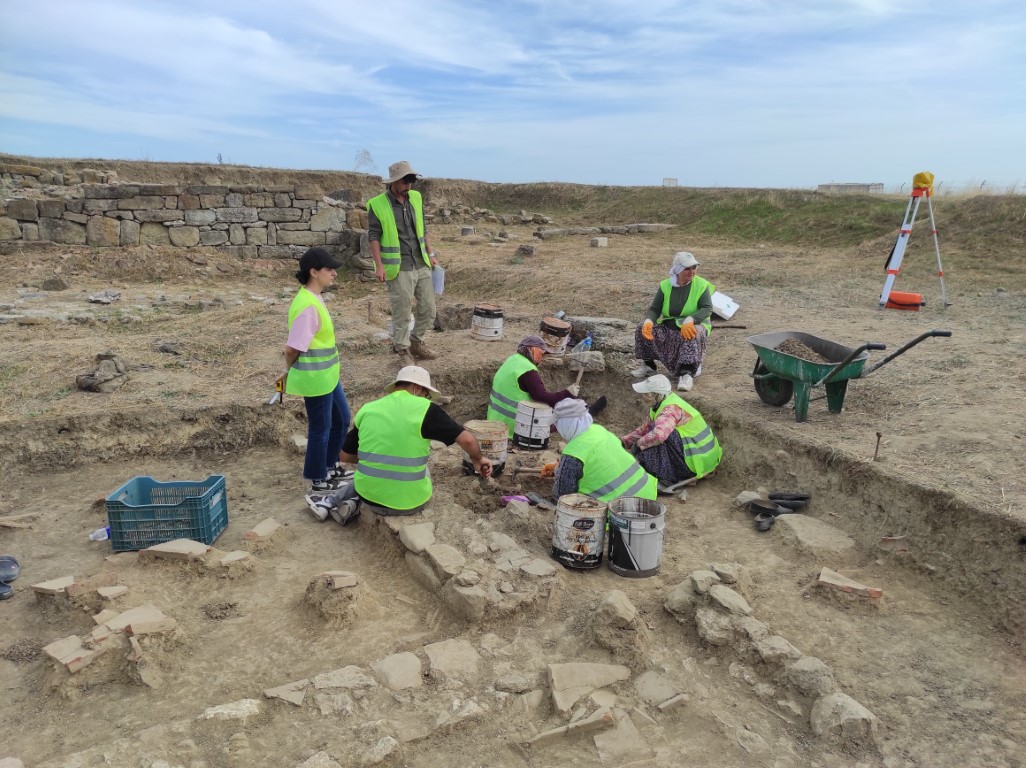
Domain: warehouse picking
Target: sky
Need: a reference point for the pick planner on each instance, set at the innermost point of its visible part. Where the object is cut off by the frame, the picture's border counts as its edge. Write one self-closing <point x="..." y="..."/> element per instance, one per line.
<point x="713" y="93"/>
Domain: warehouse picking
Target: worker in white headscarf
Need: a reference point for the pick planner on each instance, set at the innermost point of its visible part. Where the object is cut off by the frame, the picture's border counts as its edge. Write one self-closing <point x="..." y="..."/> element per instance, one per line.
<point x="594" y="462"/>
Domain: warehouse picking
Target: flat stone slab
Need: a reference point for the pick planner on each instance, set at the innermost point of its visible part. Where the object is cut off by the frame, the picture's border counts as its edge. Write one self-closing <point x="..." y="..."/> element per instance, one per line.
<point x="399" y="671"/>
<point x="347" y="677"/>
<point x="538" y="567"/>
<point x="417" y="537"/>
<point x="293" y="693"/>
<point x="110" y="593"/>
<point x="447" y="561"/>
<point x="834" y="580"/>
<point x="237" y="710"/>
<point x="54" y="586"/>
<point x="816" y="538"/>
<point x="179" y="549"/>
<point x="622" y="745"/>
<point x="654" y="688"/>
<point x="729" y="600"/>
<point x="455" y="658"/>
<point x="139" y="616"/>
<point x="265" y="529"/>
<point x="569" y="682"/>
<point x="338" y="579"/>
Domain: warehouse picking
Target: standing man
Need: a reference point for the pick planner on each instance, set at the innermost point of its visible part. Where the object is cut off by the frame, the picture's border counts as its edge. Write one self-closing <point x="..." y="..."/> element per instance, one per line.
<point x="403" y="257"/>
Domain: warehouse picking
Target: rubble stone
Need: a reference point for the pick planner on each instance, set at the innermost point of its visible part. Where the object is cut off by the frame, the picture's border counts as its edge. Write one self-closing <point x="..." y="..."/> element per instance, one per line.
<point x="837" y="714"/>
<point x="776" y="650"/>
<point x="236" y="710"/>
<point x="320" y="760"/>
<point x="730" y="600"/>
<point x="714" y="627"/>
<point x="417" y="537"/>
<point x="347" y="677"/>
<point x="455" y="658"/>
<point x="615" y="610"/>
<point x="569" y="682"/>
<point x="399" y="671"/>
<point x="818" y="539"/>
<point x="811" y="676"/>
<point x="293" y="693"/>
<point x="377" y="754"/>
<point x="263" y="530"/>
<point x="654" y="688"/>
<point x="179" y="549"/>
<point x="446" y="560"/>
<point x="54" y="586"/>
<point x="701" y="581"/>
<point x="680" y="602"/>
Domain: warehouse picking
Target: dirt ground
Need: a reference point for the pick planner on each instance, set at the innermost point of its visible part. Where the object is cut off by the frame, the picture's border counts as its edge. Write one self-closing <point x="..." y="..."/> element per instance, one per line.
<point x="938" y="661"/>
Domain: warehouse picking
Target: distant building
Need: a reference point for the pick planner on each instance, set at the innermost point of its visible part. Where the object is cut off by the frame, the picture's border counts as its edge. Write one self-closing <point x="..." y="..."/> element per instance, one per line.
<point x="669" y="182"/>
<point x="851" y="189"/>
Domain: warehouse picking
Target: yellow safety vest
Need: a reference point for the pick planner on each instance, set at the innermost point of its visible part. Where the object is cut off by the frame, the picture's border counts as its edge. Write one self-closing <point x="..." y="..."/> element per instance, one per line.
<point x="702" y="451"/>
<point x="698" y="287"/>
<point x="316" y="371"/>
<point x="382" y="208"/>
<point x="393" y="457"/>
<point x="609" y="471"/>
<point x="506" y="392"/>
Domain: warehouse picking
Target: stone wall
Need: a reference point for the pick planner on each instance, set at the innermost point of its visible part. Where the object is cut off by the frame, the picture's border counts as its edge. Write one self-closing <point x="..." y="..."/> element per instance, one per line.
<point x="247" y="221"/>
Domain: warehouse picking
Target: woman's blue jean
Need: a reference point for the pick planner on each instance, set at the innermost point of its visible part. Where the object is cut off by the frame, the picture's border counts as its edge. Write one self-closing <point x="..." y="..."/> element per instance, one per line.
<point x="328" y="420"/>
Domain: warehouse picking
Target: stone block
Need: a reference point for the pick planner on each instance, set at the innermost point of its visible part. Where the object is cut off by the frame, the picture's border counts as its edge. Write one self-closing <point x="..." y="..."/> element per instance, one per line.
<point x="466" y="602"/>
<point x="680" y="601"/>
<point x="207" y="189"/>
<point x="357" y="219"/>
<point x="301" y="237"/>
<point x="154" y="233"/>
<point x="93" y="207"/>
<point x="237" y="234"/>
<point x="184" y="237"/>
<point x="159" y="214"/>
<point x="280" y="214"/>
<point x="570" y="682"/>
<point x="455" y="658"/>
<point x="129" y="233"/>
<point x="256" y="236"/>
<point x="102" y="231"/>
<point x="178" y="549"/>
<point x="347" y="677"/>
<point x="187" y="202"/>
<point x="423" y="573"/>
<point x="159" y="626"/>
<point x="328" y="220"/>
<point x="729" y="600"/>
<point x="811" y="676"/>
<point x="701" y="580"/>
<point x="838" y="714"/>
<point x="817" y="539"/>
<point x="235" y="215"/>
<point x="199" y="218"/>
<point x="213" y="238"/>
<point x="23" y="210"/>
<point x="265" y="529"/>
<point x="211" y="201"/>
<point x="29" y="231"/>
<point x="446" y="560"/>
<point x="234" y="200"/>
<point x="417" y="537"/>
<point x="140" y="615"/>
<point x="599" y="242"/>
<point x="308" y="192"/>
<point x="62" y="231"/>
<point x="399" y="671"/>
<point x="107" y="191"/>
<point x="159" y="190"/>
<point x="258" y="200"/>
<point x="54" y="586"/>
<point x="714" y="627"/>
<point x="615" y="610"/>
<point x="10" y="229"/>
<point x="776" y="650"/>
<point x="53" y="209"/>
<point x="141" y="203"/>
<point x="78" y="218"/>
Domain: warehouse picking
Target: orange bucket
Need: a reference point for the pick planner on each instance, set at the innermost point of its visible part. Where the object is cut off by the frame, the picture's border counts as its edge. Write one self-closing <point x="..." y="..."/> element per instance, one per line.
<point x="901" y="300"/>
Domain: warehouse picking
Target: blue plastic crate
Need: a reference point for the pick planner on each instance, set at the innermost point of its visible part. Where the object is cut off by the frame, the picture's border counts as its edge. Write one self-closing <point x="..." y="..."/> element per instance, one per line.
<point x="144" y="512"/>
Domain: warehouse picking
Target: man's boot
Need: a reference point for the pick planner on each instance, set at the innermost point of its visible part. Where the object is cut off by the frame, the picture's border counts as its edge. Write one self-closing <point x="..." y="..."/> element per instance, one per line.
<point x="404" y="357"/>
<point x="421" y="351"/>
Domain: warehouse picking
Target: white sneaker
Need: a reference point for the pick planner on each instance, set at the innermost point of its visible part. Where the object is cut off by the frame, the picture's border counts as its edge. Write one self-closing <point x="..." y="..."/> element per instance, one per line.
<point x="319" y="505"/>
<point x="642" y="372"/>
<point x="345" y="512"/>
<point x="685" y="383"/>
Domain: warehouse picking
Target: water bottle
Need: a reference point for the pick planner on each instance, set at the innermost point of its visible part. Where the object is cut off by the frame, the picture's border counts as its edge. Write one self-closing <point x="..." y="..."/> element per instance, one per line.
<point x="100" y="534"/>
<point x="584" y="345"/>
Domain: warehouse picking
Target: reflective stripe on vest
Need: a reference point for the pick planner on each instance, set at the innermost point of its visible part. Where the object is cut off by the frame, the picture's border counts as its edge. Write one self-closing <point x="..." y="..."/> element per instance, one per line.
<point x="702" y="451"/>
<point x="506" y="392"/>
<point x="316" y="371"/>
<point x="609" y="471"/>
<point x="389" y="245"/>
<point x="393" y="457"/>
<point x="698" y="287"/>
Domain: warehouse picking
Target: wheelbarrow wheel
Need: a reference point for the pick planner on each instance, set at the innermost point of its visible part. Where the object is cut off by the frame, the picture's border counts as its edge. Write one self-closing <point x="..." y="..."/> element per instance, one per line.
<point x="772" y="390"/>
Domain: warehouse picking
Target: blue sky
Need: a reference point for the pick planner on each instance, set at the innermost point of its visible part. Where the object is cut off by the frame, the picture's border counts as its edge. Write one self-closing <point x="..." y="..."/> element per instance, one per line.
<point x="743" y="93"/>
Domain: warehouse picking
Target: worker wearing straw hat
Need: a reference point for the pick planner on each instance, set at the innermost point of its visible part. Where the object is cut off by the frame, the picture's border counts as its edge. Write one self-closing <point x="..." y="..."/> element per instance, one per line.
<point x="390" y="443"/>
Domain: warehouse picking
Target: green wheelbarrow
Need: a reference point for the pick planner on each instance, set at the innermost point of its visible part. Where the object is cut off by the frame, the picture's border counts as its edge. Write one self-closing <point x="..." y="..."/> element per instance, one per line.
<point x="779" y="375"/>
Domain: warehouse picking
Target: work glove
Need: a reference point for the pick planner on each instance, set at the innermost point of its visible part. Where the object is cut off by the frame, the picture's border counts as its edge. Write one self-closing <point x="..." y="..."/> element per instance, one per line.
<point x="646" y="330"/>
<point x="574" y="389"/>
<point x="548" y="470"/>
<point x="688" y="330"/>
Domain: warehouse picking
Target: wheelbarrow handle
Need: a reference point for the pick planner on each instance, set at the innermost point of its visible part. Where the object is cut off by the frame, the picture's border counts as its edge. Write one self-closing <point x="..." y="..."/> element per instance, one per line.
<point x="855" y="353"/>
<point x="916" y="340"/>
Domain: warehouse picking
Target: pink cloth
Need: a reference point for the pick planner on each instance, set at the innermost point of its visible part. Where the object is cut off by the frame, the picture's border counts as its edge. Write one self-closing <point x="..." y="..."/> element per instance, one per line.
<point x="304" y="328"/>
<point x="655" y="432"/>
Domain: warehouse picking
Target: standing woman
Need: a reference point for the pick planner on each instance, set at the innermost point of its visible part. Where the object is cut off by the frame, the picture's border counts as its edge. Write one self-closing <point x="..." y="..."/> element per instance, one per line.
<point x="677" y="326"/>
<point x="312" y="370"/>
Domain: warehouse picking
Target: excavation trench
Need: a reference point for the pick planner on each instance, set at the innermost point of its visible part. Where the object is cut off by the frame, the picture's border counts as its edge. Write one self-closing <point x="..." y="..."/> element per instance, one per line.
<point x="952" y="545"/>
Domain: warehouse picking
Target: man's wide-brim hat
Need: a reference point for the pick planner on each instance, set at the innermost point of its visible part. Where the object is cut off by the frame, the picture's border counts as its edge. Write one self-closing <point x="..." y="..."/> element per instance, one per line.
<point x="398" y="170"/>
<point x="414" y="374"/>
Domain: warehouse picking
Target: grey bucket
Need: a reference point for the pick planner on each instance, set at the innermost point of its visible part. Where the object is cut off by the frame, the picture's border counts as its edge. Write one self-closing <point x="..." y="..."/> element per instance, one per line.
<point x="635" y="536"/>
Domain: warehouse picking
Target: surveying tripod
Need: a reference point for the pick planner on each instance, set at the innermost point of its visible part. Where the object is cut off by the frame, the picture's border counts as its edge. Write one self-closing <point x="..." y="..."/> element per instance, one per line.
<point x="922" y="186"/>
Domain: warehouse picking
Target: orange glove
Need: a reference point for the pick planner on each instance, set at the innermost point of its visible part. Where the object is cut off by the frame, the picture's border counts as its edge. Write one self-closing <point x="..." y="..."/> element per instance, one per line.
<point x="688" y="330"/>
<point x="548" y="470"/>
<point x="646" y="330"/>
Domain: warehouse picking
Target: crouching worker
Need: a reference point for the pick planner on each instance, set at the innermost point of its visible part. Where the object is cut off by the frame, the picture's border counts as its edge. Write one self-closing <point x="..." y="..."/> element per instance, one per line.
<point x="593" y="462"/>
<point x="674" y="444"/>
<point x="390" y="445"/>
<point x="518" y="380"/>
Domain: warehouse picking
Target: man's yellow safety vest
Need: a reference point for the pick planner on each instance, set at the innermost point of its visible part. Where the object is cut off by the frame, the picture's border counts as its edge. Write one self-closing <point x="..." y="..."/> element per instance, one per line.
<point x="393" y="457"/>
<point x="390" y="257"/>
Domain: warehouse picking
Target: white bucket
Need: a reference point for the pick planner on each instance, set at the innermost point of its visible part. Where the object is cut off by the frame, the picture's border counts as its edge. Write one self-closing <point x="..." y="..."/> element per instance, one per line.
<point x="486" y="323"/>
<point x="635" y="536"/>
<point x="438" y="279"/>
<point x="578" y="531"/>
<point x="493" y="437"/>
<point x="531" y="427"/>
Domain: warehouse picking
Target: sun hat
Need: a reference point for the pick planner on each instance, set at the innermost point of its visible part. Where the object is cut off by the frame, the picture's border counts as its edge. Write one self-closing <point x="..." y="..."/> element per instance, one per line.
<point x="685" y="260"/>
<point x="317" y="258"/>
<point x="657" y="384"/>
<point x="413" y="374"/>
<point x="532" y="341"/>
<point x="398" y="170"/>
